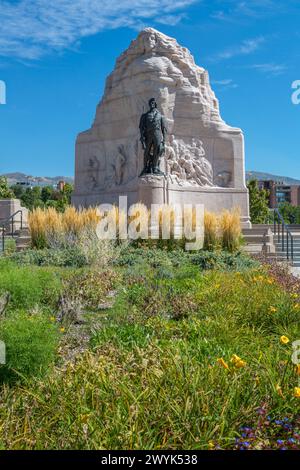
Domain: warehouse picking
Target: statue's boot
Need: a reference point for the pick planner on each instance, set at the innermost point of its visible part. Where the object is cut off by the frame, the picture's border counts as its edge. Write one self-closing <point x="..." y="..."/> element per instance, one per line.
<point x="157" y="172"/>
<point x="147" y="170"/>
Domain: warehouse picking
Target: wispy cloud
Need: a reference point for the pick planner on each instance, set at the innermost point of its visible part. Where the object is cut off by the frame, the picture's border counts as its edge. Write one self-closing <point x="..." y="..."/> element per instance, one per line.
<point x="270" y="68"/>
<point x="171" y="20"/>
<point x="32" y="28"/>
<point x="233" y="9"/>
<point x="224" y="84"/>
<point x="246" y="47"/>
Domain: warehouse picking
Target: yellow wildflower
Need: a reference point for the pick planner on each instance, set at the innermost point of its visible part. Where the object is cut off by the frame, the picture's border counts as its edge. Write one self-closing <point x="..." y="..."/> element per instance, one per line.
<point x="284" y="339"/>
<point x="272" y="309"/>
<point x="237" y="361"/>
<point x="297" y="392"/>
<point x="222" y="363"/>
<point x="62" y="329"/>
<point x="211" y="445"/>
<point x="52" y="318"/>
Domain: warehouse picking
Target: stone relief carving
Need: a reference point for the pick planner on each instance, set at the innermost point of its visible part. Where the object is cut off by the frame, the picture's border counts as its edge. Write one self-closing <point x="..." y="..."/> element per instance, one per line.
<point x="186" y="163"/>
<point x="92" y="179"/>
<point x="223" y="179"/>
<point x="118" y="165"/>
<point x="122" y="165"/>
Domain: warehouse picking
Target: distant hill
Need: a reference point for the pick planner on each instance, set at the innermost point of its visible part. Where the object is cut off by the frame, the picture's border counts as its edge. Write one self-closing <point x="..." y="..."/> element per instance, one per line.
<point x="268" y="176"/>
<point x="14" y="178"/>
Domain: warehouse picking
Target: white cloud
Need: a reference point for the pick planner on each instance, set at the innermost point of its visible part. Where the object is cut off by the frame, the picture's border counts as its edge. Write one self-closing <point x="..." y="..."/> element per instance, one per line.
<point x="234" y="10"/>
<point x="32" y="28"/>
<point x="246" y="47"/>
<point x="171" y="20"/>
<point x="225" y="84"/>
<point x="270" y="68"/>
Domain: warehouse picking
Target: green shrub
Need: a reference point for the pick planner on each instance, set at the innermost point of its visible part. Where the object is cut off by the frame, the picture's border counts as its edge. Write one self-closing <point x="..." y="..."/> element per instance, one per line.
<point x="72" y="257"/>
<point x="10" y="246"/>
<point x="28" y="285"/>
<point x="31" y="343"/>
<point x="223" y="260"/>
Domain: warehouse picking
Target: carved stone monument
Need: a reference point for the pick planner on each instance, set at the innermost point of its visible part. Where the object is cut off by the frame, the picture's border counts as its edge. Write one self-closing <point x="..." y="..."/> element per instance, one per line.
<point x="199" y="160"/>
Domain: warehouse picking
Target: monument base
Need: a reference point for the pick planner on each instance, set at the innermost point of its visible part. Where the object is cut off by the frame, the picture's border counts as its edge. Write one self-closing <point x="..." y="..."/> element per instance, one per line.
<point x="158" y="190"/>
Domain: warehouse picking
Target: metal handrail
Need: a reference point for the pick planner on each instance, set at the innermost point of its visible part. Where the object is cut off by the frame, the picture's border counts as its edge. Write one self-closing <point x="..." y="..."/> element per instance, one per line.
<point x="284" y="235"/>
<point x="8" y="221"/>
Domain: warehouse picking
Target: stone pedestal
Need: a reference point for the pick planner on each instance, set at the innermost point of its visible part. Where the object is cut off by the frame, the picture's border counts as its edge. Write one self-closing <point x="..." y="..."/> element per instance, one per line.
<point x="8" y="207"/>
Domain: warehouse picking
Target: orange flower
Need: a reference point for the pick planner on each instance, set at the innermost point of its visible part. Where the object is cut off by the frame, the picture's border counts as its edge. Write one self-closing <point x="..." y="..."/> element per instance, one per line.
<point x="222" y="363"/>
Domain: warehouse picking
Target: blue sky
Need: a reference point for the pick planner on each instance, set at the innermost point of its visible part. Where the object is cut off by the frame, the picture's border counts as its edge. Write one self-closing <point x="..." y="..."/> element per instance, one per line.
<point x="55" y="56"/>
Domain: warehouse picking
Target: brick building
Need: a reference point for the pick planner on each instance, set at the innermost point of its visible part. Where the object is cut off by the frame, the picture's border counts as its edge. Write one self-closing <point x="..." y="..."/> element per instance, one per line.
<point x="280" y="192"/>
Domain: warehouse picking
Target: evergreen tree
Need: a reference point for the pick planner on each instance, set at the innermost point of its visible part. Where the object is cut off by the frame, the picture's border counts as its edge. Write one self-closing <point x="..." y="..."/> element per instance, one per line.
<point x="259" y="203"/>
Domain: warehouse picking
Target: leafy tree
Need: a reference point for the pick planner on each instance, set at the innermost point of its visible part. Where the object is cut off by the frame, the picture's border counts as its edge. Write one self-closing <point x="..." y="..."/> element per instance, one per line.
<point x="32" y="198"/>
<point x="39" y="196"/>
<point x="5" y="191"/>
<point x="291" y="214"/>
<point x="259" y="203"/>
<point x="46" y="193"/>
<point x="67" y="191"/>
<point x="18" y="190"/>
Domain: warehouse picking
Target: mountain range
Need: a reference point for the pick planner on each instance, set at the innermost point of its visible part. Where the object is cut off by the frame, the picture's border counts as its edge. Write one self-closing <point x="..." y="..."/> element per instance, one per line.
<point x="14" y="178"/>
<point x="268" y="176"/>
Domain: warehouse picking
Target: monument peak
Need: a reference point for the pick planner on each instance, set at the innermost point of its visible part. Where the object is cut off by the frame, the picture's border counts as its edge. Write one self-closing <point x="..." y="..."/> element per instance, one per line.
<point x="203" y="158"/>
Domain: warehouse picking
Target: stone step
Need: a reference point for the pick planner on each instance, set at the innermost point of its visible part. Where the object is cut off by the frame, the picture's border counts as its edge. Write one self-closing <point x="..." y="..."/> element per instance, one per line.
<point x="23" y="241"/>
<point x="23" y="231"/>
<point x="252" y="248"/>
<point x="254" y="238"/>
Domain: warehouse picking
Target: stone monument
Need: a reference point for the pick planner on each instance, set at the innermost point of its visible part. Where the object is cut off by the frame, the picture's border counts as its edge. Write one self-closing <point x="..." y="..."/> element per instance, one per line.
<point x="199" y="160"/>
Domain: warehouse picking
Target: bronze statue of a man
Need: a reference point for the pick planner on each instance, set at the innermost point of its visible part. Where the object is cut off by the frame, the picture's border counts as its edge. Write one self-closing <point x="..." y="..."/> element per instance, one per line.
<point x="153" y="132"/>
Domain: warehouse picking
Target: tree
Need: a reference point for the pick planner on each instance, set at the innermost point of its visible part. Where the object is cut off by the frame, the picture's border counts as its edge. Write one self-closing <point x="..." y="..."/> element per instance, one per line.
<point x="5" y="191"/>
<point x="18" y="190"/>
<point x="46" y="193"/>
<point x="290" y="214"/>
<point x="67" y="191"/>
<point x="259" y="203"/>
<point x="32" y="198"/>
